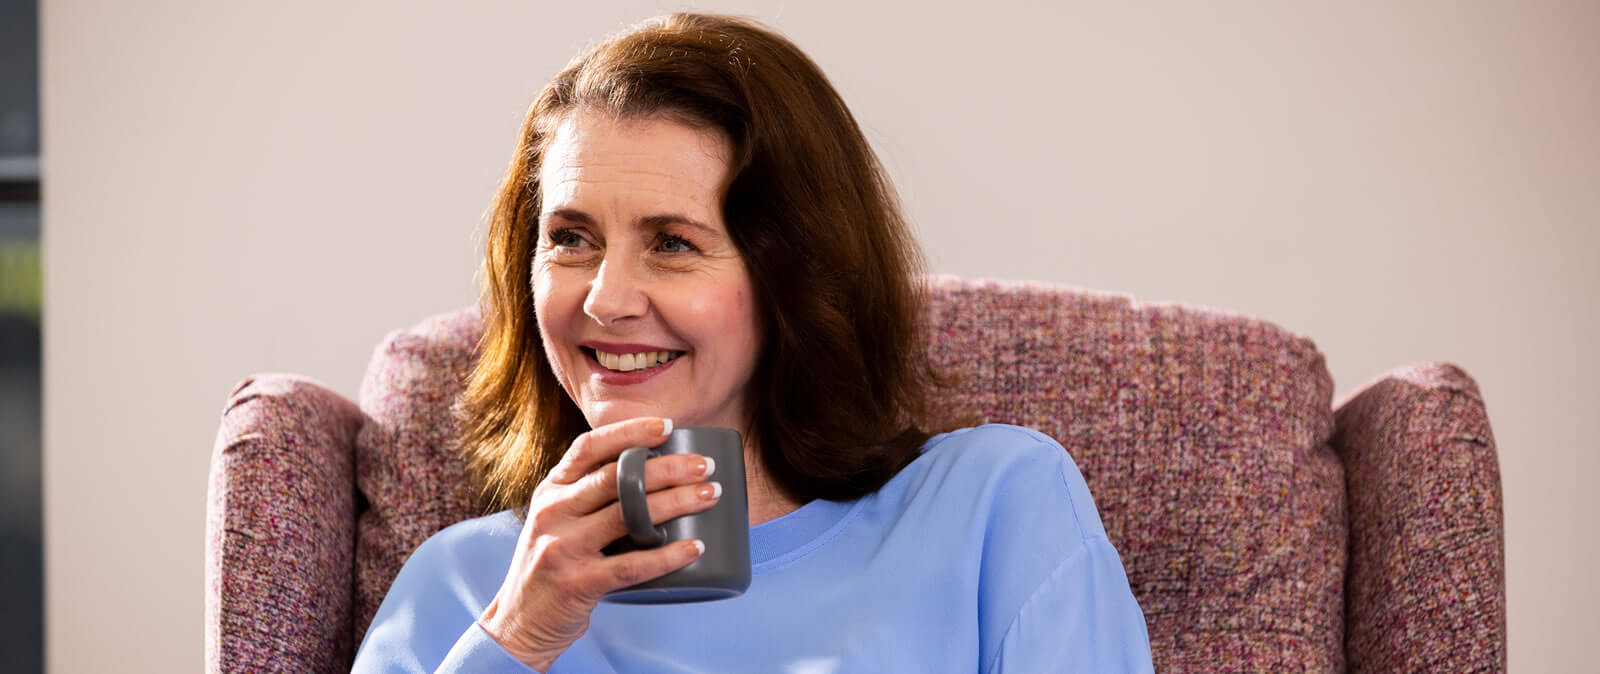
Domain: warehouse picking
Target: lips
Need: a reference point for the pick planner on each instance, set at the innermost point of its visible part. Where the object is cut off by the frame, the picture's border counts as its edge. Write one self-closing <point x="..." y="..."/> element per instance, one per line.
<point x="627" y="363"/>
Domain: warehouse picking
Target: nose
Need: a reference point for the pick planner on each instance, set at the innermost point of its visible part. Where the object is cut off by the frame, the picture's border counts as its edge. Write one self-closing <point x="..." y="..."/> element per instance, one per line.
<point x="615" y="294"/>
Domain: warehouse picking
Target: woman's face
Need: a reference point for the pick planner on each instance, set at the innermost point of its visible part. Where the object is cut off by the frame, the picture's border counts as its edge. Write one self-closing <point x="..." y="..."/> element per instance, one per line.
<point x="644" y="304"/>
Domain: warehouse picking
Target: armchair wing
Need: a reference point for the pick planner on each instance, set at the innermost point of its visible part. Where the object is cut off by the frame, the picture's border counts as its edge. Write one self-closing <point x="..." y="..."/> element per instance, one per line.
<point x="280" y="528"/>
<point x="1426" y="587"/>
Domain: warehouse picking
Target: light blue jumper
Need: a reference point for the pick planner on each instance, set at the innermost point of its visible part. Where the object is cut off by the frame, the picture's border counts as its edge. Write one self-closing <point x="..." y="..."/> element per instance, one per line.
<point x="985" y="554"/>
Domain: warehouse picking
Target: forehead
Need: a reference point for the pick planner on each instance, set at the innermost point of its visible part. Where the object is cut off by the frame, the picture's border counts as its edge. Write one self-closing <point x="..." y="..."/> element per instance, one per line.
<point x="596" y="161"/>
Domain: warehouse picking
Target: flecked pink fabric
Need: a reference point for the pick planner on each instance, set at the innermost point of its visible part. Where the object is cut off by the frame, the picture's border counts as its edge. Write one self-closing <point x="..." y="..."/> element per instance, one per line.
<point x="1427" y="584"/>
<point x="1204" y="436"/>
<point x="407" y="462"/>
<point x="280" y="529"/>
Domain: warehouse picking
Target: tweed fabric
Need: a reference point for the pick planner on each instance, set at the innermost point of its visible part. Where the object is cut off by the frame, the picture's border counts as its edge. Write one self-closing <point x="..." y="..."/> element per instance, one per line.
<point x="1426" y="585"/>
<point x="408" y="466"/>
<point x="1203" y="437"/>
<point x="280" y="527"/>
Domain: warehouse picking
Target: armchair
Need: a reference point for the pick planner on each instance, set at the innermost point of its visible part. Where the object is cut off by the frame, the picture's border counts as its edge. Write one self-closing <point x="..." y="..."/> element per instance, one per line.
<point x="1263" y="527"/>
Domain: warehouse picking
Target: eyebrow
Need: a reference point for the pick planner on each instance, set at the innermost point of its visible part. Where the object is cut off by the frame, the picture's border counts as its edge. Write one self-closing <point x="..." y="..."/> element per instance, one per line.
<point x="651" y="221"/>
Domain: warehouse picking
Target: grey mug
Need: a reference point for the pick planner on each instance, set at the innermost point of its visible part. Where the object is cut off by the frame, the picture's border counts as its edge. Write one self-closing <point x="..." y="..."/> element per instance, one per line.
<point x="723" y="570"/>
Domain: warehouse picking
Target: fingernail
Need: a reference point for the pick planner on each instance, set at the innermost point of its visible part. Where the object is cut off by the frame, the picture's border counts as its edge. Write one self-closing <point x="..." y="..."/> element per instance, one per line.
<point x="666" y="426"/>
<point x="711" y="467"/>
<point x="711" y="491"/>
<point x="699" y="547"/>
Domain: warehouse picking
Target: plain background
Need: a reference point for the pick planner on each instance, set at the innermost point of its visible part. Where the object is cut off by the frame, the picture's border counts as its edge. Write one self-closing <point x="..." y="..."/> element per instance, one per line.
<point x="241" y="187"/>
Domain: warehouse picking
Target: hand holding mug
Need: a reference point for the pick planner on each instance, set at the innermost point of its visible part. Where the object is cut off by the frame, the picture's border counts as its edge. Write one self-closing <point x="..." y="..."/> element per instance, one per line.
<point x="723" y="571"/>
<point x="558" y="572"/>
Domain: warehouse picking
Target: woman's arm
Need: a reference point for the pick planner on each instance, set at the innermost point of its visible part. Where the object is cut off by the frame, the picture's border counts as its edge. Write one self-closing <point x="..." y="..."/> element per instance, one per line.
<point x="427" y="622"/>
<point x="1055" y="594"/>
<point x="1083" y="618"/>
<point x="466" y="601"/>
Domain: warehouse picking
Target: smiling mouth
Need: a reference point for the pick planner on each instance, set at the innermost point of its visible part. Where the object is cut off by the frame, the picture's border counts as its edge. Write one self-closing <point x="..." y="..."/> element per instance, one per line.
<point x="628" y="362"/>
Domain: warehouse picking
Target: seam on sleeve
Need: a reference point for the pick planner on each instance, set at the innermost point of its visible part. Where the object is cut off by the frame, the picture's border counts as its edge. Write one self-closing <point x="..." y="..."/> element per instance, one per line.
<point x="1060" y="452"/>
<point x="1077" y="517"/>
<point x="1070" y="560"/>
<point x="1052" y="445"/>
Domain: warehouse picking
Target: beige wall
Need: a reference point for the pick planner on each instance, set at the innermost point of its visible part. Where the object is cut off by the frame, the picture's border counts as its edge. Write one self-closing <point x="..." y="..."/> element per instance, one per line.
<point x="240" y="187"/>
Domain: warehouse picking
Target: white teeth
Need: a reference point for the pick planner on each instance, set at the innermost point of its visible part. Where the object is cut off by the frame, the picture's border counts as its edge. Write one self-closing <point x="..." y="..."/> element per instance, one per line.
<point x="628" y="362"/>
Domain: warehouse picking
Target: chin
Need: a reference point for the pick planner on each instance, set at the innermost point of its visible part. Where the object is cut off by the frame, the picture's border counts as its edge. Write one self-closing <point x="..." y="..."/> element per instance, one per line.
<point x="610" y="413"/>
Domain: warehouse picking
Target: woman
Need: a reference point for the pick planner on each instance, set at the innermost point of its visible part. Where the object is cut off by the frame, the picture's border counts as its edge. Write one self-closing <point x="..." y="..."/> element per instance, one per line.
<point x="695" y="232"/>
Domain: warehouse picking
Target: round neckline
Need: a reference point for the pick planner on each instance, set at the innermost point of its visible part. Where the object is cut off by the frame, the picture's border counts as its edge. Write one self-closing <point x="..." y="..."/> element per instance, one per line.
<point x="778" y="537"/>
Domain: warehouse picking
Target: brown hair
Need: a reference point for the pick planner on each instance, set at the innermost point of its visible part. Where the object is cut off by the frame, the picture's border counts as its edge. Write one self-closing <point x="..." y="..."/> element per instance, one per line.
<point x="843" y="371"/>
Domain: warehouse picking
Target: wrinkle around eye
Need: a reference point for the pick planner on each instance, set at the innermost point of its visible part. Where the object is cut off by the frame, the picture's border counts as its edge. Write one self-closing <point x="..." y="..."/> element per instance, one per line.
<point x="549" y="253"/>
<point x="685" y="262"/>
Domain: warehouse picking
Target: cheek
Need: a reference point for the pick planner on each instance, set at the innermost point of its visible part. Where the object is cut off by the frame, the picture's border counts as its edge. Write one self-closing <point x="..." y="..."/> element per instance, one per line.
<point x="729" y="317"/>
<point x="549" y="298"/>
<point x="551" y="310"/>
<point x="539" y="283"/>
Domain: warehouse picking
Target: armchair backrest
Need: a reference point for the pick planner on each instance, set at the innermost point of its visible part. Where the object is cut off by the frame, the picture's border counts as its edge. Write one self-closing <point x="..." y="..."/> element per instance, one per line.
<point x="1203" y="436"/>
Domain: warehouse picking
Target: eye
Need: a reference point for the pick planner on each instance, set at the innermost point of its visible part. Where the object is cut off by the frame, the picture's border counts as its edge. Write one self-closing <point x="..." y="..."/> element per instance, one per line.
<point x="672" y="243"/>
<point x="566" y="238"/>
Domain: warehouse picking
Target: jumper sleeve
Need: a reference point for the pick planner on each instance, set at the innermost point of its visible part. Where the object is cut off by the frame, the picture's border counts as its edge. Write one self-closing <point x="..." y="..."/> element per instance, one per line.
<point x="1058" y="599"/>
<point x="1083" y="618"/>
<point x="428" y="621"/>
<point x="476" y="651"/>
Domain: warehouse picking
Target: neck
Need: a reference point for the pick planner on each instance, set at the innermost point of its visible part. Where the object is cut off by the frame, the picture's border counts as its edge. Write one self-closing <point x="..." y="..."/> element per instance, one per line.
<point x="766" y="501"/>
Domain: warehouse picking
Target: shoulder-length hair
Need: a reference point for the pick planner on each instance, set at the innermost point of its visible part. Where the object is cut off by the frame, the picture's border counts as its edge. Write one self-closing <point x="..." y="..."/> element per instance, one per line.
<point x="843" y="372"/>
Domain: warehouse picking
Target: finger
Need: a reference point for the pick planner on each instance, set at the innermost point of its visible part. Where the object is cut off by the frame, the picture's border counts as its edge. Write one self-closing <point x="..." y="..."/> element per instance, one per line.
<point x="599" y="528"/>
<point x="598" y="488"/>
<point x="612" y="573"/>
<point x="604" y="444"/>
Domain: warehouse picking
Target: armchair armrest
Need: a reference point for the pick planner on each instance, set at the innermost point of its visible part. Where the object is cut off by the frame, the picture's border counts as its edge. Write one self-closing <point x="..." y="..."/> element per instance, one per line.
<point x="280" y="528"/>
<point x="1426" y="588"/>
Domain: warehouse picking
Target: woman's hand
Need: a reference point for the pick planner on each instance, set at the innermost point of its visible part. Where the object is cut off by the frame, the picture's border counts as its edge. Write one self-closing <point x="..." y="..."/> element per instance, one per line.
<point x="558" y="573"/>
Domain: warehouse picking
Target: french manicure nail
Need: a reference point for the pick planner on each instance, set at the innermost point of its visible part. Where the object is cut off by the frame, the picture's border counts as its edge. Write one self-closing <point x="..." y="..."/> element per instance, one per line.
<point x="711" y="467"/>
<point x="666" y="426"/>
<point x="712" y="492"/>
<point x="699" y="547"/>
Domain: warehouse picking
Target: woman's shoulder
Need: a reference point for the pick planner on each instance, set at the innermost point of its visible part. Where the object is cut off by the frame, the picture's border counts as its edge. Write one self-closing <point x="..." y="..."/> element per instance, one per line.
<point x="1043" y="555"/>
<point x="995" y="448"/>
<point x="1012" y="471"/>
<point x="1001" y="437"/>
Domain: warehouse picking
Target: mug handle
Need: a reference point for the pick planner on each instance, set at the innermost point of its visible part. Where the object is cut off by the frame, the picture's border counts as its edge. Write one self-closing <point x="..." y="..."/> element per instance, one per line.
<point x="630" y="494"/>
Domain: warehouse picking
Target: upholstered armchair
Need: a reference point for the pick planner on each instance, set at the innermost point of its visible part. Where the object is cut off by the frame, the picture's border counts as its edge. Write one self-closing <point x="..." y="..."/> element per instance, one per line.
<point x="1263" y="526"/>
